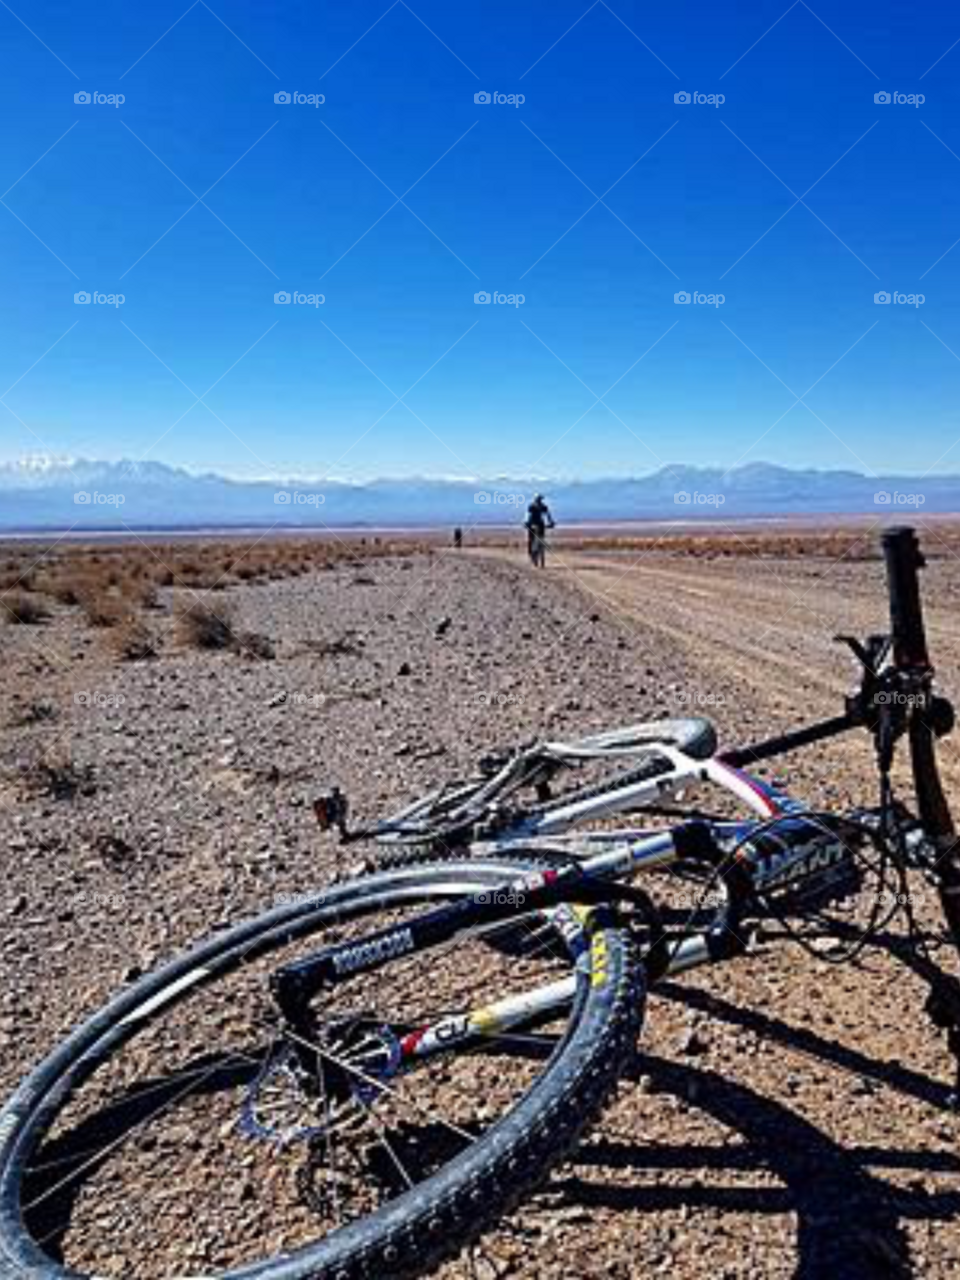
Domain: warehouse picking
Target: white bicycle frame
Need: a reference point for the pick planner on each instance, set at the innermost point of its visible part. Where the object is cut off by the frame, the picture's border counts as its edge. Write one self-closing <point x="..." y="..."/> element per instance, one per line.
<point x="605" y="855"/>
<point x="685" y="770"/>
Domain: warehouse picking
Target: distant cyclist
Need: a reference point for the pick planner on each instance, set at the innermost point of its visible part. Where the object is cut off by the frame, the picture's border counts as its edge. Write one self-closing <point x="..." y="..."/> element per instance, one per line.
<point x="538" y="521"/>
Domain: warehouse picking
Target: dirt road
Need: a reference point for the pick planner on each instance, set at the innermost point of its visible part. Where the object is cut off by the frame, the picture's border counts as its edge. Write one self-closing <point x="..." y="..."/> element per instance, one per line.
<point x="805" y="1142"/>
<point x="787" y="1118"/>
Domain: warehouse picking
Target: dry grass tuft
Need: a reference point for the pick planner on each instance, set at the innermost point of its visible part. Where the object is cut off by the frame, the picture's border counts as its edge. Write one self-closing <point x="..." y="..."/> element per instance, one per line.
<point x="136" y="642"/>
<point x="24" y="607"/>
<point x="207" y="626"/>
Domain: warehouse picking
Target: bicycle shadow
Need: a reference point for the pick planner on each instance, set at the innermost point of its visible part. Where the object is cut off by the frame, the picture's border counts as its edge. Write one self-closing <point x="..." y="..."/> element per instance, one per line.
<point x="848" y="1218"/>
<point x="894" y="1075"/>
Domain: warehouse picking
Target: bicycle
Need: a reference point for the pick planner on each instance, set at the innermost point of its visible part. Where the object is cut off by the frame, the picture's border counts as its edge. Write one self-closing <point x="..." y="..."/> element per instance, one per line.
<point x="537" y="544"/>
<point x="388" y="1082"/>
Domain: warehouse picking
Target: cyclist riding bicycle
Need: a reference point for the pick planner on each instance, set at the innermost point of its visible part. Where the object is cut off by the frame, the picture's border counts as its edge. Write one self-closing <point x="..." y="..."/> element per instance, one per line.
<point x="537" y="522"/>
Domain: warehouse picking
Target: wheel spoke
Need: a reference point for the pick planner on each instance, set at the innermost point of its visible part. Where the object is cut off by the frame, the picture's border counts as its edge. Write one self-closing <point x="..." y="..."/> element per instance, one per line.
<point x="322" y="1123"/>
<point x="382" y="1087"/>
<point x="121" y="1140"/>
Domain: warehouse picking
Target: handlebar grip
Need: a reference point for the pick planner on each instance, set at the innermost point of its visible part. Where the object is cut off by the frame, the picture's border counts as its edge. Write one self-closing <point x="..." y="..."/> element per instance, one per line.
<point x="903" y="558"/>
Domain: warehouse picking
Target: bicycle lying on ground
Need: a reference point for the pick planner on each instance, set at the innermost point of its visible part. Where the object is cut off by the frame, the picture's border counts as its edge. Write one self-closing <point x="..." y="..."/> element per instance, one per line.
<point x="360" y="1082"/>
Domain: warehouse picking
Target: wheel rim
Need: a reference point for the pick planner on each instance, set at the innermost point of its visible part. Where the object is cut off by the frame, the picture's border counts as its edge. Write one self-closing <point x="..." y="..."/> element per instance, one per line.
<point x="208" y="1088"/>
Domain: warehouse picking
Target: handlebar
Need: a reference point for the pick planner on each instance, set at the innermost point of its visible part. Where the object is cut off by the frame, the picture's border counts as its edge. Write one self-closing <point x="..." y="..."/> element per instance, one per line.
<point x="896" y="697"/>
<point x="887" y="691"/>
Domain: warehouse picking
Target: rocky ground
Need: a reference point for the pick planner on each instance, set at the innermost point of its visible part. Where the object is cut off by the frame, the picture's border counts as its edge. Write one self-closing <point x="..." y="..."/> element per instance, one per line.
<point x="787" y="1117"/>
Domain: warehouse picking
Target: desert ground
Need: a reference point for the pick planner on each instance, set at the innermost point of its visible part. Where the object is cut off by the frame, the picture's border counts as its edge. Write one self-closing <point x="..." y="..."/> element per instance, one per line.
<point x="169" y="712"/>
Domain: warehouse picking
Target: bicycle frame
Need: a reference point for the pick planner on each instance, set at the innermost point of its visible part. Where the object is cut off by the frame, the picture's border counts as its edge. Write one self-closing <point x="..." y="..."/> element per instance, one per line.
<point x="761" y="799"/>
<point x="606" y="858"/>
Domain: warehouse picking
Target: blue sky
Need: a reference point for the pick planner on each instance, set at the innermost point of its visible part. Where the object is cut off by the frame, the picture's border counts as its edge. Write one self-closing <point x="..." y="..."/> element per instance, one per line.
<point x="495" y="197"/>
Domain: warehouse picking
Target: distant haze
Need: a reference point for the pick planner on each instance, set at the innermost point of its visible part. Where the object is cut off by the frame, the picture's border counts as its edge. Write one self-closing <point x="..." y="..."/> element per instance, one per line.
<point x="42" y="495"/>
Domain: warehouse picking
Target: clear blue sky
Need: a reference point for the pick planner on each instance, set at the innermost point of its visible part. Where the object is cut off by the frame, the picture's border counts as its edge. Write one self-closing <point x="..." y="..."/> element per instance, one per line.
<point x="297" y="197"/>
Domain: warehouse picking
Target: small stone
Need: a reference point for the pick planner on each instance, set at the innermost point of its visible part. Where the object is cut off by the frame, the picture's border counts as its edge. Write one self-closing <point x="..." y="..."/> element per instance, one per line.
<point x="693" y="1043"/>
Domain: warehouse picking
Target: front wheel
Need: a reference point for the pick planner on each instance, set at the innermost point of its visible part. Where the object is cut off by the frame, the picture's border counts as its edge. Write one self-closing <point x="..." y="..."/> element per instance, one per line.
<point x="176" y="1133"/>
<point x="537" y="549"/>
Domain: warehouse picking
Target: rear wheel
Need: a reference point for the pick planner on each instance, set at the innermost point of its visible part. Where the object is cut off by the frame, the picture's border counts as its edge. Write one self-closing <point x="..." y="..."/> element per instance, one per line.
<point x="174" y="1133"/>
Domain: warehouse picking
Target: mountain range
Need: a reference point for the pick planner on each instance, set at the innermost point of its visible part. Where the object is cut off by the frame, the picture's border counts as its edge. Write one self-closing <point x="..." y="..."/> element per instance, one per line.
<point x="42" y="494"/>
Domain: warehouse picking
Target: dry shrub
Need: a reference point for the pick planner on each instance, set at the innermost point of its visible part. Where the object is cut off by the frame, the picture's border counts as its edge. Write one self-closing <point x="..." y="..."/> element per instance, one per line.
<point x="207" y="626"/>
<point x="847" y="544"/>
<point x="111" y="584"/>
<point x="136" y="642"/>
<point x="87" y="586"/>
<point x="23" y="607"/>
<point x="62" y="590"/>
<point x="60" y="779"/>
<point x="251" y="644"/>
<point x="101" y="607"/>
<point x="141" y="591"/>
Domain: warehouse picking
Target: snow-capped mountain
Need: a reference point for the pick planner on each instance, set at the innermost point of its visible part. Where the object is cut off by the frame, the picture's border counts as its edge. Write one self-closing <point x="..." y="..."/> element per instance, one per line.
<point x="58" y="493"/>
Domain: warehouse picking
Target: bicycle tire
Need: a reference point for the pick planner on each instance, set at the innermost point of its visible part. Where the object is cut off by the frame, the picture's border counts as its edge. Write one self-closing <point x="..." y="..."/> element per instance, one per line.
<point x="432" y="1220"/>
